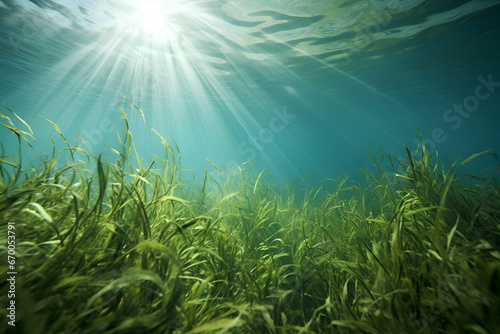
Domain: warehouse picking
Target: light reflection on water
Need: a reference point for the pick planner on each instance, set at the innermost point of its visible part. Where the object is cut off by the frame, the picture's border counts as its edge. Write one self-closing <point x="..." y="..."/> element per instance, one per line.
<point x="212" y="72"/>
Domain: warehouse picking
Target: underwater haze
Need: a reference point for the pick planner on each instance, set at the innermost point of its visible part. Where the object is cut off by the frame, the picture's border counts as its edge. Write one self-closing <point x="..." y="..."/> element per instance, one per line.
<point x="250" y="166"/>
<point x="297" y="86"/>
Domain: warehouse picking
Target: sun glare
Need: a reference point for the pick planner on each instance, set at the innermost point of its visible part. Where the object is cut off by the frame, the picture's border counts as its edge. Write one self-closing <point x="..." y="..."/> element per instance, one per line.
<point x="152" y="16"/>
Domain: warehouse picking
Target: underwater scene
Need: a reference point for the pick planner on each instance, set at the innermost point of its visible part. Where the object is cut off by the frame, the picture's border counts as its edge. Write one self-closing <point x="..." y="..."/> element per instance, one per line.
<point x="258" y="166"/>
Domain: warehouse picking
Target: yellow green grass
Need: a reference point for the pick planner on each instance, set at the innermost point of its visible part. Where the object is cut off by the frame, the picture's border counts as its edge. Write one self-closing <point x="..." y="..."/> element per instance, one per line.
<point x="132" y="247"/>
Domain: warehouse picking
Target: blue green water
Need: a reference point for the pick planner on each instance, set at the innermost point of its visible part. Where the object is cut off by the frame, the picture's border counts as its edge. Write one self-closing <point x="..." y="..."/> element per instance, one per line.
<point x="300" y="87"/>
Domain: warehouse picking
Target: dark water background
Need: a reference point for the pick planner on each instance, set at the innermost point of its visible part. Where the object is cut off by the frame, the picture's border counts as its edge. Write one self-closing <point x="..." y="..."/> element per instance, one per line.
<point x="302" y="87"/>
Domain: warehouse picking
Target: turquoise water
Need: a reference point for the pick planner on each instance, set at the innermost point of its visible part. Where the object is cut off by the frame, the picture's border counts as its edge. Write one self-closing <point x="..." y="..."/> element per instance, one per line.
<point x="300" y="87"/>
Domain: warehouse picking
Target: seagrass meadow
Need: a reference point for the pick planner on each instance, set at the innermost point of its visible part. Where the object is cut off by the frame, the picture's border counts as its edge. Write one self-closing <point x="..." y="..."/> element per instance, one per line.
<point x="249" y="167"/>
<point x="133" y="246"/>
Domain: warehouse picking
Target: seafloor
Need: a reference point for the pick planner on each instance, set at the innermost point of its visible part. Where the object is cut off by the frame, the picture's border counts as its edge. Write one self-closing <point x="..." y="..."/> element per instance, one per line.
<point x="135" y="246"/>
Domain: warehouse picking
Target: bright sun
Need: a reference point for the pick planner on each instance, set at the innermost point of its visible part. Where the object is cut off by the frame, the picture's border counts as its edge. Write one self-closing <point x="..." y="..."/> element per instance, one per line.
<point x="151" y="16"/>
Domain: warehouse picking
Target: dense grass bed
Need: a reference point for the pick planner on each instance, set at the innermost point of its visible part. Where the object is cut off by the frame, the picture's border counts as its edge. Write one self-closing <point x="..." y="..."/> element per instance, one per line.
<point x="133" y="247"/>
